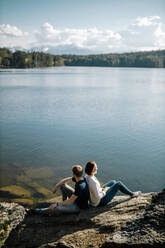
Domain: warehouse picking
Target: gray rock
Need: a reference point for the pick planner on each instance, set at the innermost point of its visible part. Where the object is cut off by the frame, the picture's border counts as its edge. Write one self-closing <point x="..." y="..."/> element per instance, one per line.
<point x="11" y="214"/>
<point x="147" y="229"/>
<point x="122" y="223"/>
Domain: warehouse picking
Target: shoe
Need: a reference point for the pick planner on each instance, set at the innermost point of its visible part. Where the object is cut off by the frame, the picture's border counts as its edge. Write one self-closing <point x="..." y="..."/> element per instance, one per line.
<point x="30" y="211"/>
<point x="136" y="194"/>
<point x="34" y="211"/>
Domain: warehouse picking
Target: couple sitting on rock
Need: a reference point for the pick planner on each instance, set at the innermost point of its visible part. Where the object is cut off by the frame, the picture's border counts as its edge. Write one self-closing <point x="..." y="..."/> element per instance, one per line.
<point x="87" y="190"/>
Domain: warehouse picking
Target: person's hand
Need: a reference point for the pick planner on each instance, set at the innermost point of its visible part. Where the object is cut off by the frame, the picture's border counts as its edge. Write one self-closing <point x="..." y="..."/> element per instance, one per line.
<point x="105" y="189"/>
<point x="53" y="206"/>
<point x="55" y="190"/>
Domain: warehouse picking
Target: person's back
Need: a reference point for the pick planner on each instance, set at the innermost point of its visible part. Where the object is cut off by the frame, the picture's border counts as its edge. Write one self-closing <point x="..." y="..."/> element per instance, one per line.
<point x="96" y="192"/>
<point x="82" y="191"/>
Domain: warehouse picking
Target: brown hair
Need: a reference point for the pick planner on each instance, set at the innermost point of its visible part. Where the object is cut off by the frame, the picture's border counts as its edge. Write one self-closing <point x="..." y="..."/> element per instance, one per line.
<point x="77" y="170"/>
<point x="89" y="167"/>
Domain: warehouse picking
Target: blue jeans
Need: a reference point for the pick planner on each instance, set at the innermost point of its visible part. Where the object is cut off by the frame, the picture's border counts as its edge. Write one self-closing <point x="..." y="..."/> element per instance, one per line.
<point x="111" y="192"/>
<point x="73" y="208"/>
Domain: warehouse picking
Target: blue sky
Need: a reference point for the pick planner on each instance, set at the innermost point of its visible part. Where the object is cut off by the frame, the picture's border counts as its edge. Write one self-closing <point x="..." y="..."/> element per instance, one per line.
<point x="82" y="26"/>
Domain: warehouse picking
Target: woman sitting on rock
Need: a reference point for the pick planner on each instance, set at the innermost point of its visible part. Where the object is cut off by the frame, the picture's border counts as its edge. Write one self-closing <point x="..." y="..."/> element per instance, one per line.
<point x="100" y="196"/>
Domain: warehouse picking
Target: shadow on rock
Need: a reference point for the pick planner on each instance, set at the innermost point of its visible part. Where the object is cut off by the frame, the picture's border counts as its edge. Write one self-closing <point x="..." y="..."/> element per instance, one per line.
<point x="75" y="230"/>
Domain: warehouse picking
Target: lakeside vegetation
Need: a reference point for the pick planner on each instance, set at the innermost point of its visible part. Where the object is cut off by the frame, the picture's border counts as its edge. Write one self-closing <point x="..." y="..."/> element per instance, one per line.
<point x="22" y="59"/>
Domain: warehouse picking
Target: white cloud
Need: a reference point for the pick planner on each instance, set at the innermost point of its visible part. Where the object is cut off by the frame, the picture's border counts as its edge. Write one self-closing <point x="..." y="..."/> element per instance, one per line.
<point x="83" y="38"/>
<point x="12" y="31"/>
<point x="12" y="36"/>
<point x="144" y="33"/>
<point x="147" y="21"/>
<point x="45" y="49"/>
<point x="160" y="36"/>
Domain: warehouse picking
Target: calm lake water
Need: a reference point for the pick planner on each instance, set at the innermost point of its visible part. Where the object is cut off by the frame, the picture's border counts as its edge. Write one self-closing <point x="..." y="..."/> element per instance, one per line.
<point x="62" y="116"/>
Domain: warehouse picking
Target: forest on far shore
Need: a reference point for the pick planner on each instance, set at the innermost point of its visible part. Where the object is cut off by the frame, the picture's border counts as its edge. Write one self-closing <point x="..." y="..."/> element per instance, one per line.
<point x="33" y="59"/>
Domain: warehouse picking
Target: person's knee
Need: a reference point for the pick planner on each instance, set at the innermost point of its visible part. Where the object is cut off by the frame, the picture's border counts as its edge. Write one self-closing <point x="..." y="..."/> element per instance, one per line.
<point x="119" y="183"/>
<point x="113" y="181"/>
<point x="62" y="187"/>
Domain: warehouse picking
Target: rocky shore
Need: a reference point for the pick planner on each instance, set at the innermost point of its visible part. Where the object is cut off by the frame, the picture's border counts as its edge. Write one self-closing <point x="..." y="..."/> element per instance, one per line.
<point x="125" y="222"/>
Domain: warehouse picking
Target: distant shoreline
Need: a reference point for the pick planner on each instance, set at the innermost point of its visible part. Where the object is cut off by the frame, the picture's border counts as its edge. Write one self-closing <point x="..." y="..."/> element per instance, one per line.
<point x="23" y="60"/>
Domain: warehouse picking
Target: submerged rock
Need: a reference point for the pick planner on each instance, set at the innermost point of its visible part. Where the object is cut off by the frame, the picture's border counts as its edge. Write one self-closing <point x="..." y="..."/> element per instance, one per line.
<point x="122" y="223"/>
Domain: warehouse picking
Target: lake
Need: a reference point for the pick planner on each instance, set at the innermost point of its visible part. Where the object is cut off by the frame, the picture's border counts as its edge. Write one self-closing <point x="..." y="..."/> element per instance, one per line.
<point x="56" y="117"/>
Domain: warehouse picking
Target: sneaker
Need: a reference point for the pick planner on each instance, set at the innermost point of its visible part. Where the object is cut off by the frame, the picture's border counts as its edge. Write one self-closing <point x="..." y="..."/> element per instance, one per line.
<point x="34" y="211"/>
<point x="136" y="194"/>
<point x="30" y="211"/>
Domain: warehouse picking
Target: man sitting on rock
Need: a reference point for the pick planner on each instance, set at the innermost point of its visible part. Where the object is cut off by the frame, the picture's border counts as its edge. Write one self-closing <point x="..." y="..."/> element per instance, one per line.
<point x="73" y="199"/>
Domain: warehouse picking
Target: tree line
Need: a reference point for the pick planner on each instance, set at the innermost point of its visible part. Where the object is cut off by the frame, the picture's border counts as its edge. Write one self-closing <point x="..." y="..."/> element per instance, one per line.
<point x="22" y="59"/>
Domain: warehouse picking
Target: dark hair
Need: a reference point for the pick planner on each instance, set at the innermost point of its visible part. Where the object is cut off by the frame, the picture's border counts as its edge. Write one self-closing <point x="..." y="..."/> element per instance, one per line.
<point x="89" y="167"/>
<point x="77" y="170"/>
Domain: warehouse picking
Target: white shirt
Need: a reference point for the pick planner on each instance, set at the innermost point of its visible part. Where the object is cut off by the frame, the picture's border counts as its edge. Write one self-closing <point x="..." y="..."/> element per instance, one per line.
<point x="96" y="192"/>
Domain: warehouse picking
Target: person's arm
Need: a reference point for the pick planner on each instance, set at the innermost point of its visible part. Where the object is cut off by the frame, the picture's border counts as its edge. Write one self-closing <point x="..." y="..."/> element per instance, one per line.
<point x="63" y="203"/>
<point x="65" y="180"/>
<point x="105" y="189"/>
<point x="72" y="198"/>
<point x="96" y="189"/>
<point x="68" y="201"/>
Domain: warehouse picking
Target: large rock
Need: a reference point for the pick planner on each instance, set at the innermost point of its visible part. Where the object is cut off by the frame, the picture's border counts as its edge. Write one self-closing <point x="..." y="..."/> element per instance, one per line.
<point x="95" y="227"/>
<point x="146" y="229"/>
<point x="11" y="214"/>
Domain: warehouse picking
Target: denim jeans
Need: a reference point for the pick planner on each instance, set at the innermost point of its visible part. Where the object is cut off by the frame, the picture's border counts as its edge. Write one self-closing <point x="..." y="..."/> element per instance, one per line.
<point x="67" y="191"/>
<point x="111" y="192"/>
<point x="73" y="208"/>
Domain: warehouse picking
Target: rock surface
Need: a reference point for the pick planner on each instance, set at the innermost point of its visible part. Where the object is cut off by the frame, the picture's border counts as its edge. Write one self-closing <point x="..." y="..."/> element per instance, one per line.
<point x="11" y="214"/>
<point x="125" y="222"/>
<point x="146" y="229"/>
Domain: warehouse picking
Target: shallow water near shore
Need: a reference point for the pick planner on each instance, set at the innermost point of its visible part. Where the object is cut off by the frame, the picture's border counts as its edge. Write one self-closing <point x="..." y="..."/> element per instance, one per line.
<point x="52" y="118"/>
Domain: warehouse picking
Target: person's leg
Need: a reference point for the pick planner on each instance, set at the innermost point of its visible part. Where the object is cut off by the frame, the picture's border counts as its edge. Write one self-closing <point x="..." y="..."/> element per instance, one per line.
<point x="112" y="192"/>
<point x="67" y="191"/>
<point x="42" y="211"/>
<point x="109" y="184"/>
<point x="67" y="209"/>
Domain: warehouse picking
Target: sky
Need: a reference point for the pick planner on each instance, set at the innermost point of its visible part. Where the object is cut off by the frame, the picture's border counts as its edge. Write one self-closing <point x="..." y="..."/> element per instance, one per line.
<point x="82" y="26"/>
